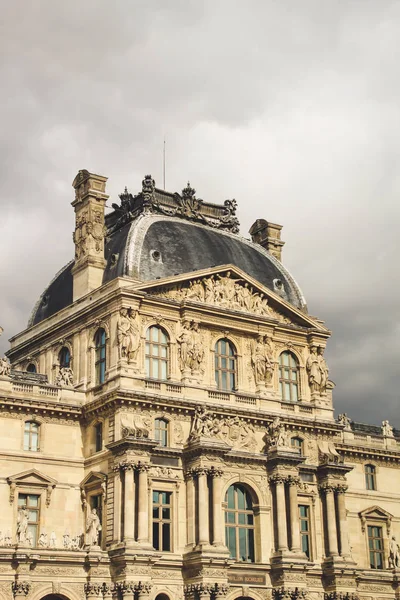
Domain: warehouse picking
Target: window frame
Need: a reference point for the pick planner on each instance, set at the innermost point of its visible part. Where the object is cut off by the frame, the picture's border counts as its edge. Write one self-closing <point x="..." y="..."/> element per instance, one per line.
<point x="309" y="532"/>
<point x="158" y="431"/>
<point x="160" y="520"/>
<point x="296" y="438"/>
<point x="100" y="356"/>
<point x="65" y="350"/>
<point x="99" y="426"/>
<point x="237" y="526"/>
<point x="381" y="552"/>
<point x="219" y="370"/>
<point x="30" y="509"/>
<point x="151" y="358"/>
<point x="32" y="370"/>
<point x="284" y="381"/>
<point x="38" y="425"/>
<point x="370" y="478"/>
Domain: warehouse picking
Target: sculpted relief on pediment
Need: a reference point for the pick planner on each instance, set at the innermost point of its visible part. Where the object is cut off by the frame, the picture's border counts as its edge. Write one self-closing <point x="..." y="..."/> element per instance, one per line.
<point x="225" y="291"/>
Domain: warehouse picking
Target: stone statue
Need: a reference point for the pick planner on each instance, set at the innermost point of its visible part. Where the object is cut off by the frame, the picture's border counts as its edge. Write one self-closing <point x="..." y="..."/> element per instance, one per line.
<point x="53" y="540"/>
<point x="394" y="554"/>
<point x="43" y="541"/>
<point x="323" y="367"/>
<point x="8" y="539"/>
<point x="344" y="420"/>
<point x="277" y="435"/>
<point x="65" y="377"/>
<point x="29" y="538"/>
<point x="387" y="429"/>
<point x="191" y="350"/>
<point x="22" y="525"/>
<point x="93" y="528"/>
<point x="128" y="334"/>
<point x="5" y="367"/>
<point x="313" y="370"/>
<point x="66" y="541"/>
<point x="133" y="425"/>
<point x="261" y="360"/>
<point x="204" y="424"/>
<point x="184" y="339"/>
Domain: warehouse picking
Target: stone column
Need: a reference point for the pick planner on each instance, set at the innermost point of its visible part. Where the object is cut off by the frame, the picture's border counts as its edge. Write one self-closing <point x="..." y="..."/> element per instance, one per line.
<point x="117" y="517"/>
<point x="143" y="506"/>
<point x="280" y="512"/>
<point x="217" y="520"/>
<point x="129" y="504"/>
<point x="204" y="536"/>
<point x="343" y="531"/>
<point x="331" y="521"/>
<point x="143" y="590"/>
<point x="190" y="508"/>
<point x="294" y="514"/>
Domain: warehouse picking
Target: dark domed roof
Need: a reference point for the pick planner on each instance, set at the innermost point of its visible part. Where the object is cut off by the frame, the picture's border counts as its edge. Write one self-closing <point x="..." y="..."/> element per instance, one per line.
<point x="150" y="246"/>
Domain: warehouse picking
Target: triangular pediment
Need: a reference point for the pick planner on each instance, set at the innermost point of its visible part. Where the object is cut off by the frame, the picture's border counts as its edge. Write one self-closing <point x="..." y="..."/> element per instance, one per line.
<point x="32" y="477"/>
<point x="229" y="288"/>
<point x="376" y="512"/>
<point x="93" y="478"/>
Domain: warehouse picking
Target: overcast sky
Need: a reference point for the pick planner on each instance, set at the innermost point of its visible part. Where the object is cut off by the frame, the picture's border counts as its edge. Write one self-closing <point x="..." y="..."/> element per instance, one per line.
<point x="290" y="107"/>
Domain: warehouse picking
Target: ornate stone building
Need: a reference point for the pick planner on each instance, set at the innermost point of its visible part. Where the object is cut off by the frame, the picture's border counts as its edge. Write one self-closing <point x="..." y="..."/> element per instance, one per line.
<point x="167" y="427"/>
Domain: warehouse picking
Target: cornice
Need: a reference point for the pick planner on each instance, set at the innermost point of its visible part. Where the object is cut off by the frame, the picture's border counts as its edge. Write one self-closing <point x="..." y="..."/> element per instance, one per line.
<point x="368" y="452"/>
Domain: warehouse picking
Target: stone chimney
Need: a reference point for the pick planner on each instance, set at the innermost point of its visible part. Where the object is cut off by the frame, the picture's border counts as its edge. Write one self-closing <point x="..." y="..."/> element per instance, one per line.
<point x="89" y="234"/>
<point x="268" y="235"/>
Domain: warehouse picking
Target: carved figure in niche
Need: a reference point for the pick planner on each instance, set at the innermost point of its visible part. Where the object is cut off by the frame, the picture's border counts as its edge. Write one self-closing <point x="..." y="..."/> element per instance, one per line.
<point x="394" y="554"/>
<point x="128" y="334"/>
<point x="277" y="434"/>
<point x="53" y="540"/>
<point x="5" y="367"/>
<point x="93" y="528"/>
<point x="22" y="525"/>
<point x="324" y="369"/>
<point x="184" y="340"/>
<point x="204" y="424"/>
<point x="387" y="429"/>
<point x="29" y="538"/>
<point x="96" y="230"/>
<point x="191" y="350"/>
<point x="134" y="426"/>
<point x="66" y="541"/>
<point x="178" y="433"/>
<point x="65" y="377"/>
<point x="343" y="419"/>
<point x="261" y="360"/>
<point x="313" y="370"/>
<point x="43" y="541"/>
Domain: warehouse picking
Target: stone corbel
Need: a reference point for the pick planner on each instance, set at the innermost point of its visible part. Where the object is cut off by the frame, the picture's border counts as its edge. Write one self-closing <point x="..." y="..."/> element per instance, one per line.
<point x="49" y="490"/>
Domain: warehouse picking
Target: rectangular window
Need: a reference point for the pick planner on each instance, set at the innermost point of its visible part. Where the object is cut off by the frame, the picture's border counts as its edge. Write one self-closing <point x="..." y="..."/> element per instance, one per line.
<point x="162" y="521"/>
<point x="31" y="436"/>
<point x="31" y="503"/>
<point x="370" y="481"/>
<point x="305" y="529"/>
<point x="375" y="546"/>
<point x="99" y="436"/>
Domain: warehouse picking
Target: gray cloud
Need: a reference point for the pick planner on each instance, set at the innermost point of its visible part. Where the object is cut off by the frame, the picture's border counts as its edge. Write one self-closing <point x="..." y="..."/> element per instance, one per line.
<point x="291" y="108"/>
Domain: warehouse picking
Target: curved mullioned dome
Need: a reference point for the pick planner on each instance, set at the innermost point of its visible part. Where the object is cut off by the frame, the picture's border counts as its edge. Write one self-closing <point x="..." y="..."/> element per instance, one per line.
<point x="153" y="246"/>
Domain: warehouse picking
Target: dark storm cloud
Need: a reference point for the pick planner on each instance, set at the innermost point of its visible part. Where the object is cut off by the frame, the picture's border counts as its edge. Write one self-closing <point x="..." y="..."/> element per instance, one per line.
<point x="291" y="108"/>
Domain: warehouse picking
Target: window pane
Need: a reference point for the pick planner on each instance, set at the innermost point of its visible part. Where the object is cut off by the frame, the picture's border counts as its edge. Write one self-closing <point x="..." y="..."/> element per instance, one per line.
<point x="231" y="497"/>
<point x="232" y="541"/>
<point x="166" y="538"/>
<point x="33" y="500"/>
<point x="243" y="544"/>
<point x="26" y="440"/>
<point x="156" y="543"/>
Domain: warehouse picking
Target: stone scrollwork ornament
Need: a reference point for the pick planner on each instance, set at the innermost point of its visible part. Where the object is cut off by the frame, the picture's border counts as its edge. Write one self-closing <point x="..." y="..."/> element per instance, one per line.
<point x="128" y="334"/>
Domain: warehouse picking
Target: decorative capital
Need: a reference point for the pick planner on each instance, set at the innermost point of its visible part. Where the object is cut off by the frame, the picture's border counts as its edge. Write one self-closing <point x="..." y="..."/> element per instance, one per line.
<point x="277" y="479"/>
<point x="215" y="472"/>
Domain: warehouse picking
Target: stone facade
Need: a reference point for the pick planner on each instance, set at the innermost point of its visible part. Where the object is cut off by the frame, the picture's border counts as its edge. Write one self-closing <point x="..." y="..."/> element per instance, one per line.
<point x="175" y="438"/>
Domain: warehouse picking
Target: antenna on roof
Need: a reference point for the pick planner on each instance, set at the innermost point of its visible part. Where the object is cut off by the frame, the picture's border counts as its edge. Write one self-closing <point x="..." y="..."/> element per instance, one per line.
<point x="164" y="164"/>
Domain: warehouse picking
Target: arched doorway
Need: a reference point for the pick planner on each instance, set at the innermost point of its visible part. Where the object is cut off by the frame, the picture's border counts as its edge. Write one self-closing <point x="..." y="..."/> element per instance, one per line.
<point x="162" y="597"/>
<point x="54" y="597"/>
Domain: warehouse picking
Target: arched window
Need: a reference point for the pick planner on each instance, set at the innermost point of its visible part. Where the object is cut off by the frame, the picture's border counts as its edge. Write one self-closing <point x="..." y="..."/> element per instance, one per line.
<point x="289" y="377"/>
<point x="64" y="357"/>
<point x="100" y="356"/>
<point x="161" y="431"/>
<point x="370" y="477"/>
<point x="162" y="597"/>
<point x="31" y="436"/>
<point x="157" y="351"/>
<point x="31" y="368"/>
<point x="239" y="524"/>
<point x="225" y="365"/>
<point x="298" y="443"/>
